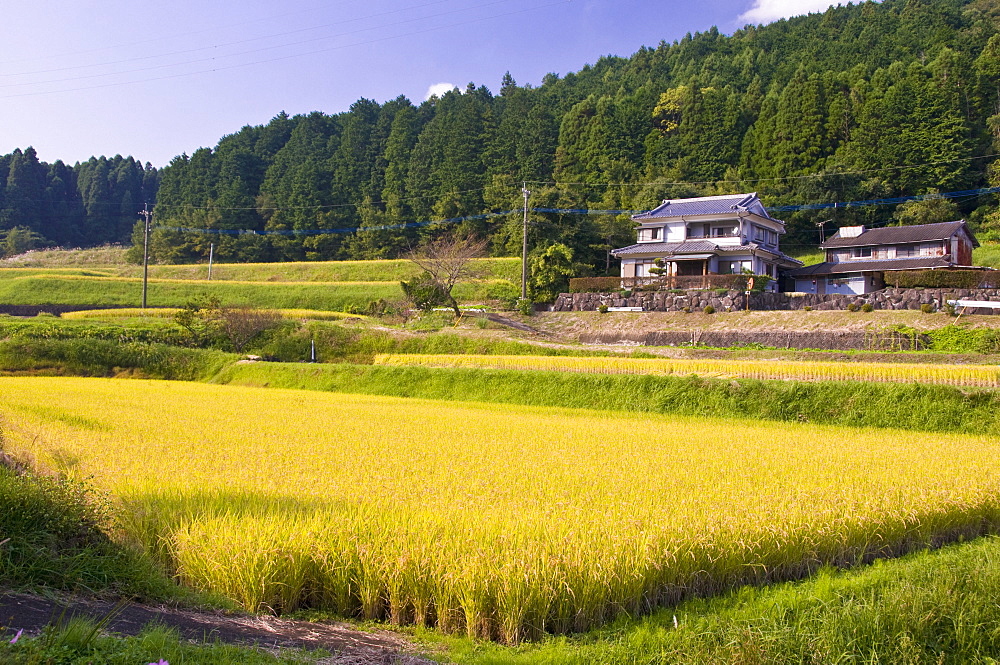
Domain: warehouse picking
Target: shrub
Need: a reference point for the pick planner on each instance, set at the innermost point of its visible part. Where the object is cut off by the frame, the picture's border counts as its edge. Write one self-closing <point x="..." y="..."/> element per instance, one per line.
<point x="686" y="310"/>
<point x="505" y="293"/>
<point x="424" y="292"/>
<point x="955" y="279"/>
<point x="927" y="308"/>
<point x="525" y="306"/>
<point x="852" y="307"/>
<point x="594" y="284"/>
<point x="958" y="339"/>
<point x="603" y="309"/>
<point x="808" y="308"/>
<point x="626" y="293"/>
<point x="709" y="309"/>
<point x="868" y="307"/>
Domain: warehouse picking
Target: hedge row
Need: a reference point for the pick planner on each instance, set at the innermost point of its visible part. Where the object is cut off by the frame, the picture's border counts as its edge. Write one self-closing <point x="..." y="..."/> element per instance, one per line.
<point x="944" y="279"/>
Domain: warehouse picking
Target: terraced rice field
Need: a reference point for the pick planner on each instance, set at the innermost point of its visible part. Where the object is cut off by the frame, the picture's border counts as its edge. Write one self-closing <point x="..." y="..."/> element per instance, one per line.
<point x="497" y="520"/>
<point x="953" y="375"/>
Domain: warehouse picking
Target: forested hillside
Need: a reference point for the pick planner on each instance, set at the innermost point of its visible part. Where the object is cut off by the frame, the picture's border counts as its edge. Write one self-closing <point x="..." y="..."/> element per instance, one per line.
<point x="86" y="204"/>
<point x="860" y="102"/>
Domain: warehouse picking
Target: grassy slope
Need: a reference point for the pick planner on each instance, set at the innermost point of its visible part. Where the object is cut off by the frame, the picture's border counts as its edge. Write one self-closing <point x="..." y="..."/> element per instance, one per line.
<point x="301" y="271"/>
<point x="50" y="289"/>
<point x="933" y="607"/>
<point x="918" y="407"/>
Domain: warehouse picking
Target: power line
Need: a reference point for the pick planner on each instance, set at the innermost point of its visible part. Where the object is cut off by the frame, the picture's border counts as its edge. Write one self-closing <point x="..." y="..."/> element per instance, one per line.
<point x="890" y="201"/>
<point x="575" y="211"/>
<point x="353" y="229"/>
<point x="749" y="180"/>
<point x="233" y="55"/>
<point x="212" y="46"/>
<point x="286" y="57"/>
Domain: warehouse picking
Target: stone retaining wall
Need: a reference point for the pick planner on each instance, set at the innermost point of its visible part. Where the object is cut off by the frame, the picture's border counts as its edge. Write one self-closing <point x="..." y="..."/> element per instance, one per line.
<point x="677" y="301"/>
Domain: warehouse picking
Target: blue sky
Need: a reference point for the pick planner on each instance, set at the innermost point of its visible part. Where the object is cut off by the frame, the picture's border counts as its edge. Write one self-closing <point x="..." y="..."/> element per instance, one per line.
<point x="153" y="80"/>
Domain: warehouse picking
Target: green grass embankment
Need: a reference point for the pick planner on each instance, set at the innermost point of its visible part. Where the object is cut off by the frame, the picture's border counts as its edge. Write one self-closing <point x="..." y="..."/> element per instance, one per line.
<point x="104" y="357"/>
<point x="51" y="289"/>
<point x="857" y="404"/>
<point x="48" y="289"/>
<point x="933" y="608"/>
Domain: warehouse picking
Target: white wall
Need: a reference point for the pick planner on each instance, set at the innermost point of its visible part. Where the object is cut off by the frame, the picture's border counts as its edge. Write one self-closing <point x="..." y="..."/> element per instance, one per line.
<point x="675" y="232"/>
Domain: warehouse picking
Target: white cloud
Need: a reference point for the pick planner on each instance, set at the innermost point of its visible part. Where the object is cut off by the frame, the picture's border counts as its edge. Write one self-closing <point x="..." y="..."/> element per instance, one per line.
<point x="438" y="89"/>
<point x="766" y="11"/>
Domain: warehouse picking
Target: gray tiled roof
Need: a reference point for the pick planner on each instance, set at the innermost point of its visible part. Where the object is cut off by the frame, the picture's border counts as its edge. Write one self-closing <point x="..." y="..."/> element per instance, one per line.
<point x="706" y="205"/>
<point x="896" y="235"/>
<point x="844" y="267"/>
<point x="678" y="249"/>
<point x="687" y="247"/>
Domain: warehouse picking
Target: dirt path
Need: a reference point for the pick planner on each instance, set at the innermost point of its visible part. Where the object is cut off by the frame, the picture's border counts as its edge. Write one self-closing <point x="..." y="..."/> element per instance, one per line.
<point x="349" y="646"/>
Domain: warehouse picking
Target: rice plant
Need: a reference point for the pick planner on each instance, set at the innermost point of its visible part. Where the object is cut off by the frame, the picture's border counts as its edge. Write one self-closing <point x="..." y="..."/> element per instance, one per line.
<point x="496" y="521"/>
<point x="941" y="374"/>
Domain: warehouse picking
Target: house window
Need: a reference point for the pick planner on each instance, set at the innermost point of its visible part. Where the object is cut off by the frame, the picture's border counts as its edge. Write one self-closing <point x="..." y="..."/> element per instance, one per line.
<point x="642" y="268"/>
<point x="648" y="235"/>
<point x="906" y="251"/>
<point x="861" y="252"/>
<point x="733" y="267"/>
<point x="724" y="231"/>
<point x="759" y="234"/>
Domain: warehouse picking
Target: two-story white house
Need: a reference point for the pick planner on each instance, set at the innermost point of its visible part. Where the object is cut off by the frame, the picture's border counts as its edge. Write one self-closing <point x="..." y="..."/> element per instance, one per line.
<point x="858" y="260"/>
<point x="708" y="235"/>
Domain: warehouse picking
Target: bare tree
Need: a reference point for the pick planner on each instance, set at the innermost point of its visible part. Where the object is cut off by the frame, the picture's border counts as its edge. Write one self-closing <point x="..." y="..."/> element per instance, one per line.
<point x="447" y="261"/>
<point x="241" y="324"/>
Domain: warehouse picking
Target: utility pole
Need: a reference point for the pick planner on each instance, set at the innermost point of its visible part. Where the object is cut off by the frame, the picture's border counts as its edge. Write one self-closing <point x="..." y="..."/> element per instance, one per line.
<point x="822" y="231"/>
<point x="211" y="253"/>
<point x="147" y="215"/>
<point x="524" y="244"/>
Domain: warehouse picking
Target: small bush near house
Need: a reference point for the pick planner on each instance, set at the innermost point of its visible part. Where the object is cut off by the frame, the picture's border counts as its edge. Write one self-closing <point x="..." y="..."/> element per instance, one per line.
<point x="927" y="308"/>
<point x="709" y="309"/>
<point x="868" y="307"/>
<point x="808" y="308"/>
<point x="603" y="309"/>
<point x="852" y="307"/>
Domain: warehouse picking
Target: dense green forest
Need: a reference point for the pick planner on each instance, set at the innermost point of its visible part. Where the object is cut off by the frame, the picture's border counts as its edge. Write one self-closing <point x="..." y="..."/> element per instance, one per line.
<point x="860" y="102"/>
<point x="87" y="204"/>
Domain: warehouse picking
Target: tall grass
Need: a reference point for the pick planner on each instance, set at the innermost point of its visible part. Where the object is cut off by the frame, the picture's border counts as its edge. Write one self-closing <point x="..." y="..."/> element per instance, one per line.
<point x="493" y="521"/>
<point x="55" y="534"/>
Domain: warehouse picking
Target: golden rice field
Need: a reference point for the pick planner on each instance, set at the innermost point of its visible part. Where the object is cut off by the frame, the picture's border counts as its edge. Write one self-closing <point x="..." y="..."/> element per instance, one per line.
<point x="953" y="375"/>
<point x="170" y="312"/>
<point x="497" y="520"/>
